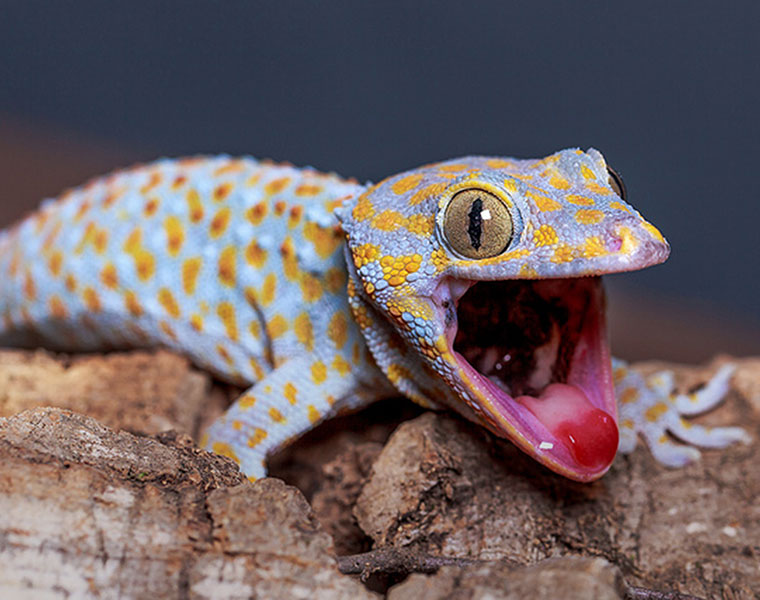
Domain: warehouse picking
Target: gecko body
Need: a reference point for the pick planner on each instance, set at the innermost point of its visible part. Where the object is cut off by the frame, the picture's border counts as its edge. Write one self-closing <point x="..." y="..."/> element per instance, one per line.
<point x="471" y="284"/>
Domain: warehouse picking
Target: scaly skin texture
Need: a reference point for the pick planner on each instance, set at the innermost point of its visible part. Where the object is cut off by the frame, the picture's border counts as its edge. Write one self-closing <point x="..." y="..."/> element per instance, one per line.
<point x="243" y="266"/>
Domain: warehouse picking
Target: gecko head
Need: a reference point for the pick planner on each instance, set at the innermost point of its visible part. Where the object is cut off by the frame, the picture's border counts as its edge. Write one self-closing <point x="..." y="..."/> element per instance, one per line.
<point x="476" y="284"/>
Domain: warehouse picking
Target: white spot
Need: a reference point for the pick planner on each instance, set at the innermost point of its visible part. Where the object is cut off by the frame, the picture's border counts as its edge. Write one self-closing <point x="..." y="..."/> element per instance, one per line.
<point x="545" y="446"/>
<point x="673" y="511"/>
<point x="729" y="531"/>
<point x="485" y="214"/>
<point x="696" y="527"/>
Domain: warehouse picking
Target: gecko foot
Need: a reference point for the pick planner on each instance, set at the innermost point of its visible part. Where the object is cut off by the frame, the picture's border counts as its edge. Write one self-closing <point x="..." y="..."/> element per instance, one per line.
<point x="648" y="406"/>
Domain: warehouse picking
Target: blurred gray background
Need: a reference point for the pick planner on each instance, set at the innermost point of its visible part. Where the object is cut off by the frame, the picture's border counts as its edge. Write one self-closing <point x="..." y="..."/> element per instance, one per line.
<point x="668" y="91"/>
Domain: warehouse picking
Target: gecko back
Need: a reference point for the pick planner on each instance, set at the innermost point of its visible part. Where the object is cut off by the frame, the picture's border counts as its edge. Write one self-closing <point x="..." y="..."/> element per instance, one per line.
<point x="189" y="254"/>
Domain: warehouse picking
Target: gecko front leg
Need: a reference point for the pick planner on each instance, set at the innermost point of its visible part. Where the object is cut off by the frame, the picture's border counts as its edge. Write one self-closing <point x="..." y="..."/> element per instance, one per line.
<point x="649" y="406"/>
<point x="289" y="401"/>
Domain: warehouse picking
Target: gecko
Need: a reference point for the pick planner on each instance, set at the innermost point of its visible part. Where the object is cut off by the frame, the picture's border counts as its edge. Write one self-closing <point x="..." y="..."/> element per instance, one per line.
<point x="471" y="285"/>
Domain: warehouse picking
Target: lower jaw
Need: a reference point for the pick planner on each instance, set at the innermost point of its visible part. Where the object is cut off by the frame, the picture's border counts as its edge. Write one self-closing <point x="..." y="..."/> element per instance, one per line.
<point x="570" y="426"/>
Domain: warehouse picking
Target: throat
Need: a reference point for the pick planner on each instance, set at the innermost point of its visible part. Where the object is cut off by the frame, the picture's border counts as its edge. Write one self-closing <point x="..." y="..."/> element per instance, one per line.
<point x="522" y="335"/>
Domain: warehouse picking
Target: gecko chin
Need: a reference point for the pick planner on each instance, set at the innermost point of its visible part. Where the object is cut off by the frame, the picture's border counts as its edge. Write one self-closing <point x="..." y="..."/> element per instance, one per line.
<point x="534" y="361"/>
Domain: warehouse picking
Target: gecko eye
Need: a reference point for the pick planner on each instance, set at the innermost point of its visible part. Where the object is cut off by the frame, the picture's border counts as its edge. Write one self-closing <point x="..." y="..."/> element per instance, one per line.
<point x="616" y="182"/>
<point x="477" y="224"/>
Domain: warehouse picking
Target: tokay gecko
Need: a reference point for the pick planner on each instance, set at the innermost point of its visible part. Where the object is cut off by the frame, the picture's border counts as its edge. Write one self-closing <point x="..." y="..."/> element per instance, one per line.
<point x="471" y="285"/>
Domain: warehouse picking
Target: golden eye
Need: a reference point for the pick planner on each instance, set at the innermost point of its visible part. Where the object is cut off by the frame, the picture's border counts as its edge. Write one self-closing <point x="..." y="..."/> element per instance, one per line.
<point x="477" y="224"/>
<point x="616" y="182"/>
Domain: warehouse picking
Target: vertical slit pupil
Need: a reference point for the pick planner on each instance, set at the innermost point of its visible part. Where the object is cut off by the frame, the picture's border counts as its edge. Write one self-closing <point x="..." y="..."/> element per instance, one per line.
<point x="475" y="227"/>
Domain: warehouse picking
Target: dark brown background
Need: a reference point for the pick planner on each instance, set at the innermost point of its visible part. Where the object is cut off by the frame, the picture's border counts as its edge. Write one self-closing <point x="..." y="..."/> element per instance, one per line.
<point x="668" y="91"/>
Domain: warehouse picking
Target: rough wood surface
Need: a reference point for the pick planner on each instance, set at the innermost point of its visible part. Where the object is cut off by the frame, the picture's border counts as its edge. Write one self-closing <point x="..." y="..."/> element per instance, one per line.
<point x="86" y="511"/>
<point x="89" y="513"/>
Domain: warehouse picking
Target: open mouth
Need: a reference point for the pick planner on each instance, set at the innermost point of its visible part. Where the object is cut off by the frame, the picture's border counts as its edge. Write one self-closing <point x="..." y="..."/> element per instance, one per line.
<point x="533" y="355"/>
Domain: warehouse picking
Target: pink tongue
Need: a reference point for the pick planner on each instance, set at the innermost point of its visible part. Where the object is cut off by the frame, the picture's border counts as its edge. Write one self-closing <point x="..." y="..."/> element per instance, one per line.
<point x="589" y="433"/>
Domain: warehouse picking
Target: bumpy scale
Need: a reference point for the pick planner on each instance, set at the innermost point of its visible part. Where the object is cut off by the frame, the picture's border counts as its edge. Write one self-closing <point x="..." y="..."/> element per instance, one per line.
<point x="470" y="284"/>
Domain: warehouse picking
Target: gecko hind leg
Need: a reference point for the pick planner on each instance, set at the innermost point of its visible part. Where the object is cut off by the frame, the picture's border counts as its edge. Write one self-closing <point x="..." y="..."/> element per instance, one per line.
<point x="649" y="407"/>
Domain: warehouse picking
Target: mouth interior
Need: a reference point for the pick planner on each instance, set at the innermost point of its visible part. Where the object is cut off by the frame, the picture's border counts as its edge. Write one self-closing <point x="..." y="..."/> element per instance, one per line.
<point x="538" y="353"/>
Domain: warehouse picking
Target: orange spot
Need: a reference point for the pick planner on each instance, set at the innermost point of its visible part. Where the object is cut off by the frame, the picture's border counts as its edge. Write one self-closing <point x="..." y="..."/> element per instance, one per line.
<point x="196" y="322"/>
<point x="318" y="372"/>
<point x="289" y="391"/>
<point x="258" y="372"/>
<point x="134" y="241"/>
<point x="388" y="220"/>
<point x="57" y="308"/>
<point x="268" y="289"/>
<point x="304" y="331"/>
<point x="313" y="414"/>
<point x="563" y="253"/>
<point x="30" y="289"/>
<point x="335" y="280"/>
<point x="545" y="236"/>
<point x="108" y="276"/>
<point x="175" y="235"/>
<point x="306" y="189"/>
<point x="100" y="241"/>
<point x="190" y="269"/>
<point x="498" y="163"/>
<point x="429" y="191"/>
<point x="289" y="261"/>
<point x="598" y="189"/>
<point x="151" y="206"/>
<point x="257" y="212"/>
<point x="580" y="200"/>
<point x="132" y="304"/>
<point x="259" y="435"/>
<point x="594" y="247"/>
<point x="222" y="191"/>
<point x="227" y="267"/>
<point x="220" y="222"/>
<point x="83" y="208"/>
<point x="195" y="206"/>
<point x="277" y="185"/>
<point x="178" y="182"/>
<point x="153" y="181"/>
<point x="91" y="299"/>
<point x="226" y="312"/>
<point x="311" y="288"/>
<point x="341" y="365"/>
<point x="587" y="173"/>
<point x="364" y="209"/>
<point x="337" y="330"/>
<point x="247" y="401"/>
<point x="653" y="231"/>
<point x="326" y="240"/>
<point x="277" y="326"/>
<point x="559" y="182"/>
<point x="276" y="416"/>
<point x="145" y="263"/>
<point x="224" y="449"/>
<point x="543" y="203"/>
<point x="295" y="215"/>
<point x="587" y="216"/>
<point x="222" y="351"/>
<point x="233" y="166"/>
<point x="71" y="283"/>
<point x="279" y="208"/>
<point x="54" y="263"/>
<point x="167" y="300"/>
<point x="406" y="184"/>
<point x="619" y="206"/>
<point x="255" y="255"/>
<point x="167" y="330"/>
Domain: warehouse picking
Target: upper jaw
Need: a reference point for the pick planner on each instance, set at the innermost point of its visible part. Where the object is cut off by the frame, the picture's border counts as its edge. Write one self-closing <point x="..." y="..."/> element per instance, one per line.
<point x="571" y="428"/>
